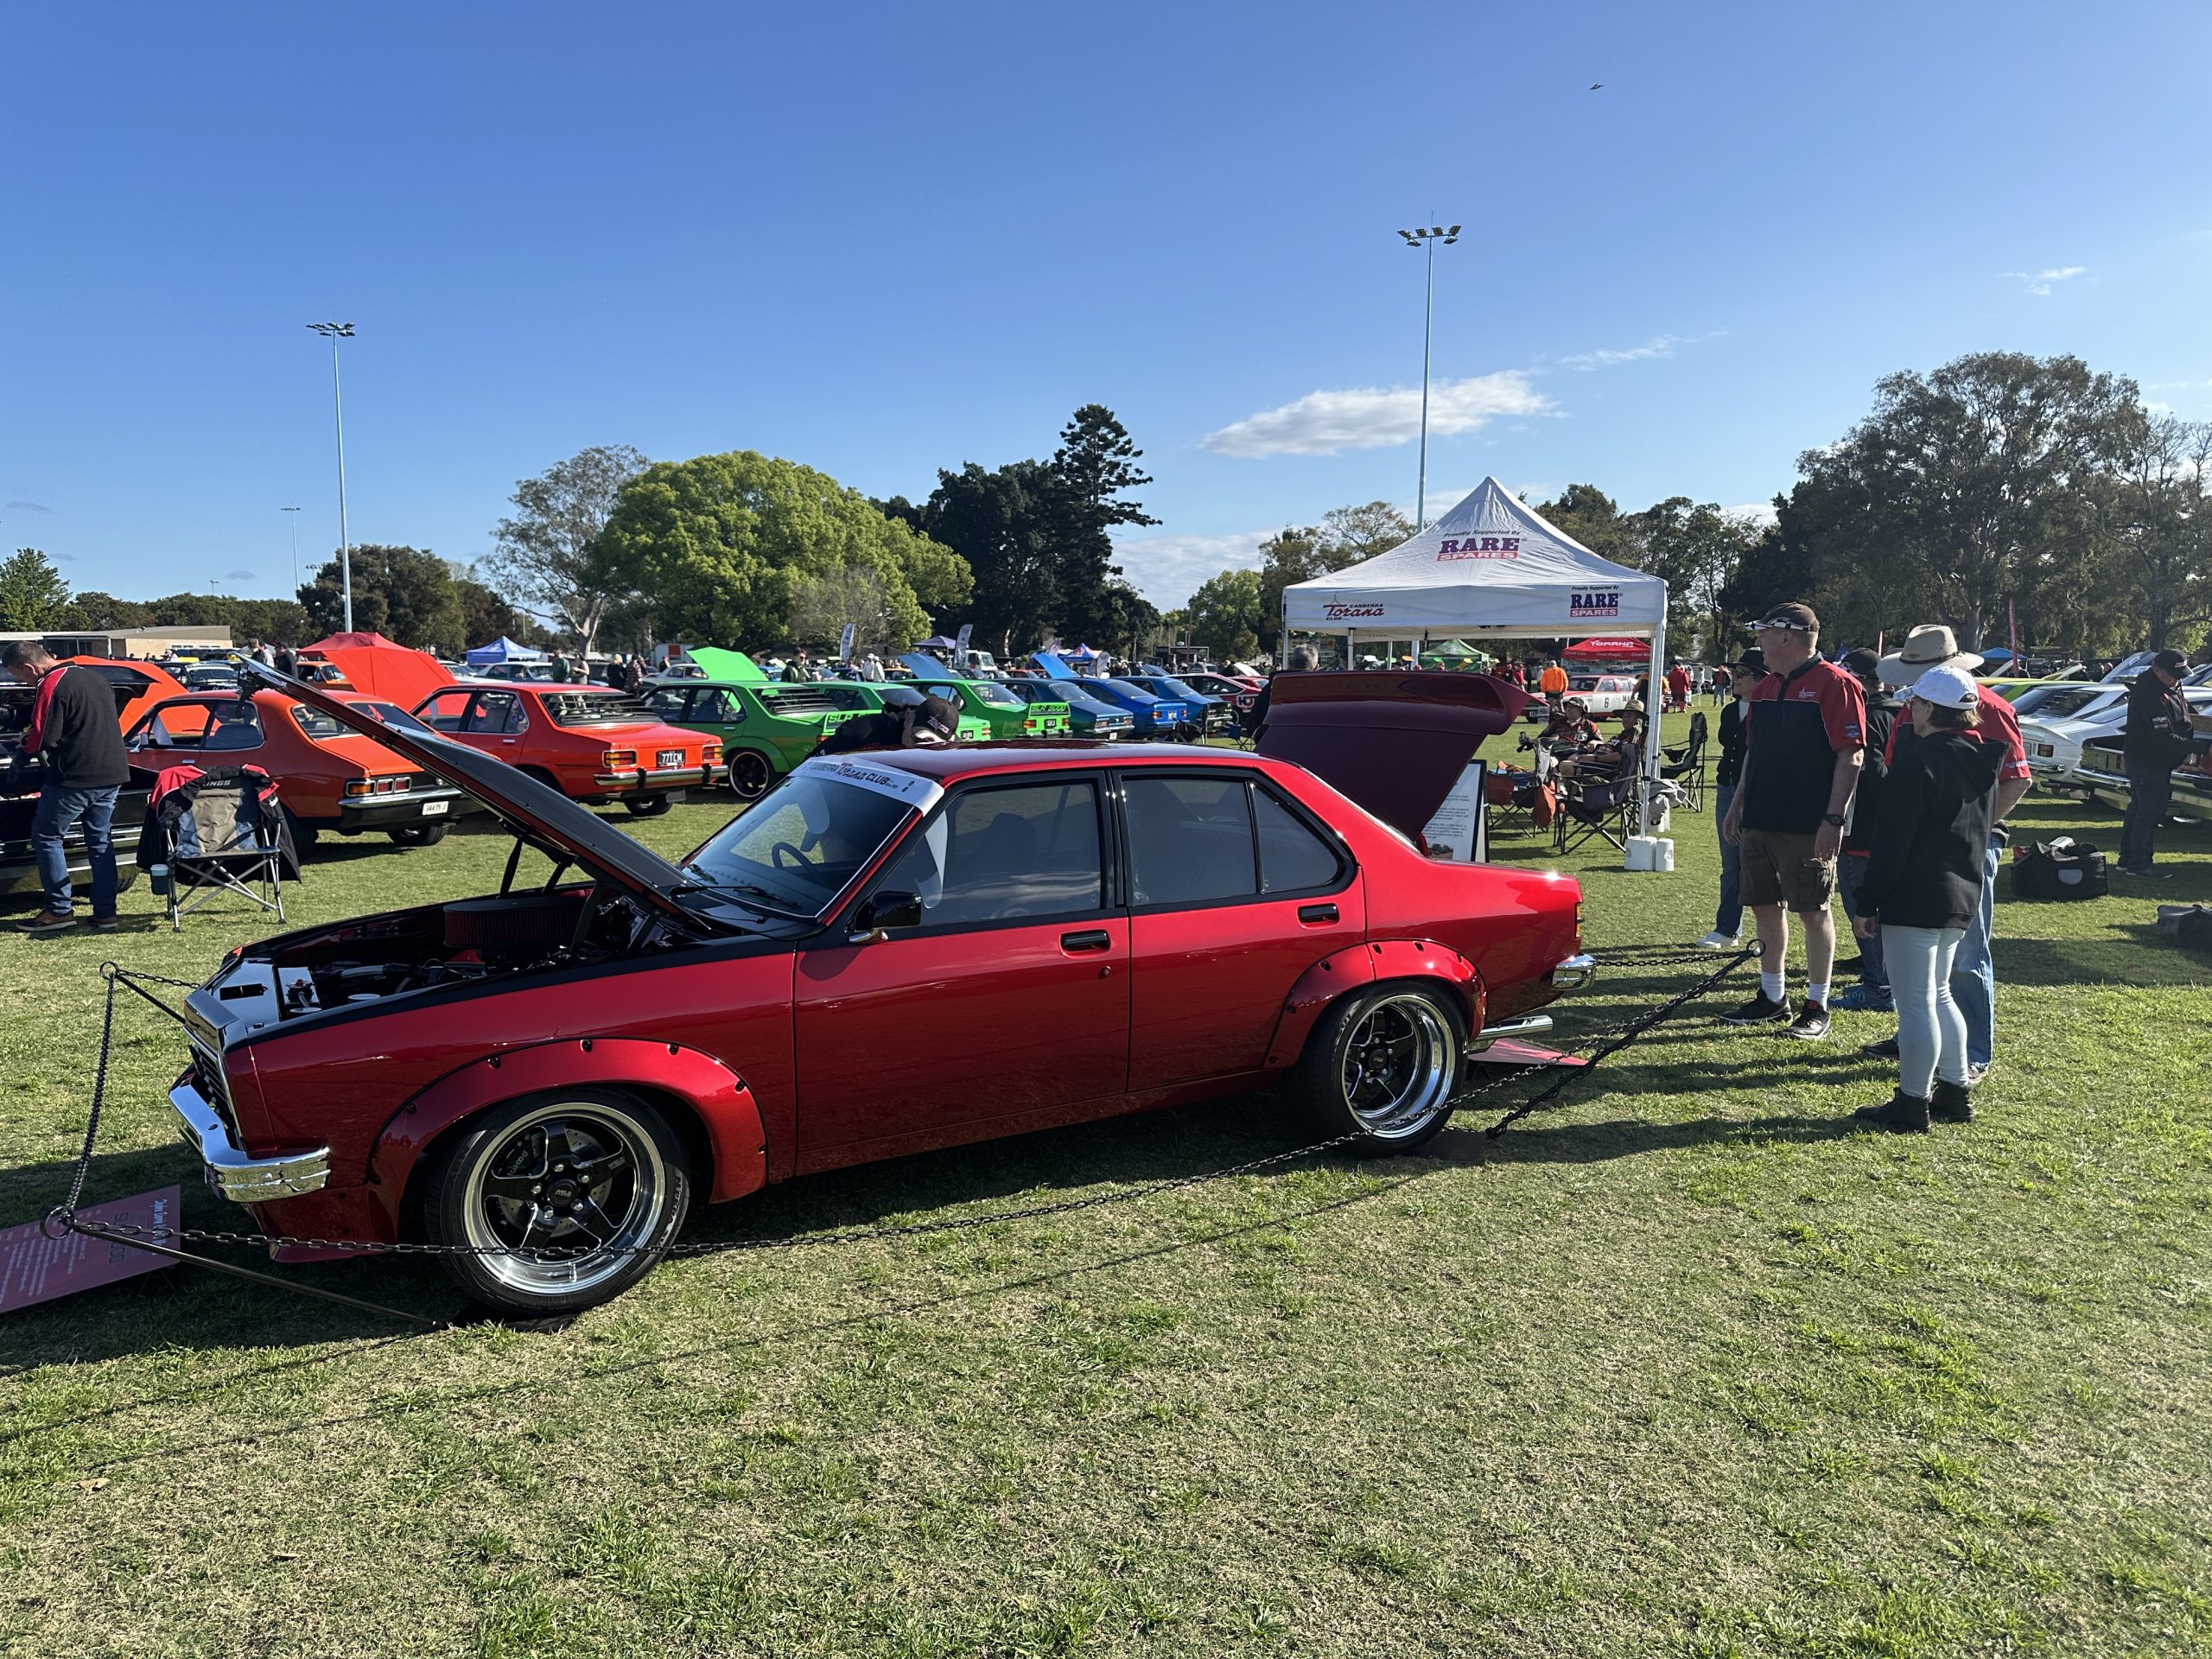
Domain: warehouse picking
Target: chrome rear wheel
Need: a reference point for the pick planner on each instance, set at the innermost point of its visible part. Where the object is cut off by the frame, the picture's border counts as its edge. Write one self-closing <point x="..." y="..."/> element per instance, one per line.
<point x="1384" y="1065"/>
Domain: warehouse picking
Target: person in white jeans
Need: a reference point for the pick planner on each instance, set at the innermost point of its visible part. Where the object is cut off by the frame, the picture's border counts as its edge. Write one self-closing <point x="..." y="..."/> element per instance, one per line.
<point x="1923" y="888"/>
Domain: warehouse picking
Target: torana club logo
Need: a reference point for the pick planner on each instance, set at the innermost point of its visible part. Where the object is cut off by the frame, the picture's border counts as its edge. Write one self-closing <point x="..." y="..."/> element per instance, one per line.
<point x="1479" y="547"/>
<point x="1595" y="601"/>
<point x="1339" y="612"/>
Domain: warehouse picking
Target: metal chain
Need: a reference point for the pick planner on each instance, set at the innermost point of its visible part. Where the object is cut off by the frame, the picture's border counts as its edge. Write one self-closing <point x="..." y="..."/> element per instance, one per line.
<point x="1602" y="1043"/>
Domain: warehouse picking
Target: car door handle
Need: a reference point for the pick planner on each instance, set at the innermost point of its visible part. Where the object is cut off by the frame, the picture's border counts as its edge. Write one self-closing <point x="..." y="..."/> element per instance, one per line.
<point x="1317" y="912"/>
<point x="1097" y="939"/>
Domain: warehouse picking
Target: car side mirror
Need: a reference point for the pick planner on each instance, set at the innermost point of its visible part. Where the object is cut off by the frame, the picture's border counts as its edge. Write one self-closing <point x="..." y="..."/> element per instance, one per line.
<point x="872" y="922"/>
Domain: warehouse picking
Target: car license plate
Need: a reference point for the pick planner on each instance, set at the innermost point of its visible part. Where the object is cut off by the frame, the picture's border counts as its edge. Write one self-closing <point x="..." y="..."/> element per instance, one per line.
<point x="434" y="809"/>
<point x="666" y="757"/>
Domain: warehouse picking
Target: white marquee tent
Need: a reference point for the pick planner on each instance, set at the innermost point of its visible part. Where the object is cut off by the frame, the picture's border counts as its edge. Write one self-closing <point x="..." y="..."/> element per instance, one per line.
<point x="1489" y="567"/>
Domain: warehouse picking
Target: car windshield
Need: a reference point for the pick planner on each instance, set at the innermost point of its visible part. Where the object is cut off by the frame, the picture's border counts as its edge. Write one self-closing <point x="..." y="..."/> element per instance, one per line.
<point x="801" y="845"/>
<point x="573" y="708"/>
<point x="2059" y="705"/>
<point x="992" y="692"/>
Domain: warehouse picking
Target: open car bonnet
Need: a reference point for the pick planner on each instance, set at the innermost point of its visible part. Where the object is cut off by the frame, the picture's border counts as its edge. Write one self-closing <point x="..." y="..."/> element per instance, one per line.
<point x="1394" y="742"/>
<point x="544" y="818"/>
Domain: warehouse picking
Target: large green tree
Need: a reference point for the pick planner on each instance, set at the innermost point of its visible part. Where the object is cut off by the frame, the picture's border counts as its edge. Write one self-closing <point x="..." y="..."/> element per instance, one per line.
<point x="722" y="543"/>
<point x="486" y="615"/>
<point x="406" y="593"/>
<point x="1092" y="473"/>
<point x="280" y="621"/>
<point x="1224" y="616"/>
<point x="33" y="595"/>
<point x="548" y="552"/>
<point x="997" y="522"/>
<point x="104" y="611"/>
<point x="1695" y="549"/>
<point x="2161" y="550"/>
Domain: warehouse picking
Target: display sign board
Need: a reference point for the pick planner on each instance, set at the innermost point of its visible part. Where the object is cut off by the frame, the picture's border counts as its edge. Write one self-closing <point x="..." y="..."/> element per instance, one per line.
<point x="36" y="1269"/>
<point x="1462" y="824"/>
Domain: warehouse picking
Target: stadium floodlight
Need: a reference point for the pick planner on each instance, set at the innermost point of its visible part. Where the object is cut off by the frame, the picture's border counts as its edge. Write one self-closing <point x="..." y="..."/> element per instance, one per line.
<point x="1426" y="240"/>
<point x="334" y="332"/>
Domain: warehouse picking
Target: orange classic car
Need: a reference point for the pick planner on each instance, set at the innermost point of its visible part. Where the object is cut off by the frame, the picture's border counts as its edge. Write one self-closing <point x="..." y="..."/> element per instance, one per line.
<point x="328" y="778"/>
<point x="592" y="743"/>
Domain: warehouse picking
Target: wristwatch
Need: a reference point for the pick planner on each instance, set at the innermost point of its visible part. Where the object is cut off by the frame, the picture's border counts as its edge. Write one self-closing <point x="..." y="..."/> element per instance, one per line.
<point x="1835" y="818"/>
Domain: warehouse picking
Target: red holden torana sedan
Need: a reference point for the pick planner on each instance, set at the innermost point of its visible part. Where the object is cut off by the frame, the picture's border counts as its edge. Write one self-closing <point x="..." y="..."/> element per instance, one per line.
<point x="592" y="743"/>
<point x="890" y="952"/>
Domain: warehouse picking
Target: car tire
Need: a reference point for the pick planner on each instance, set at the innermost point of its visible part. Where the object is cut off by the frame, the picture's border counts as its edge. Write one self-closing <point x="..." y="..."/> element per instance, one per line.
<point x="478" y="1194"/>
<point x="1383" y="1063"/>
<point x="304" y="834"/>
<point x="646" y="806"/>
<point x="419" y="835"/>
<point x="750" y="774"/>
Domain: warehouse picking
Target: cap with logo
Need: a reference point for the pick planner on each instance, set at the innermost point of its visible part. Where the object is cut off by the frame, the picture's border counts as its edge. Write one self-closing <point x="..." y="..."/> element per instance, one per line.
<point x="2169" y="662"/>
<point x="1789" y="619"/>
<point x="1933" y="646"/>
<point x="1947" y="686"/>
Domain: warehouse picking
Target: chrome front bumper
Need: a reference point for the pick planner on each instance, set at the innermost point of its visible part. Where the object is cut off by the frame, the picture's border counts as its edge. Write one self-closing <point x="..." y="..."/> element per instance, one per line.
<point x="231" y="1174"/>
<point x="1574" y="973"/>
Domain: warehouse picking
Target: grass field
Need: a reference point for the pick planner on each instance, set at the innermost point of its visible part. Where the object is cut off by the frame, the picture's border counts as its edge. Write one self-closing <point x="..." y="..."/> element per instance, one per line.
<point x="1682" y="1367"/>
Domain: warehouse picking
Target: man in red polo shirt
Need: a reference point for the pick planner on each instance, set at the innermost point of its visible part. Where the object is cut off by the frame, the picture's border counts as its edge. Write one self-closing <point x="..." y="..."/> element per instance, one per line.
<point x="1806" y="728"/>
<point x="1973" y="973"/>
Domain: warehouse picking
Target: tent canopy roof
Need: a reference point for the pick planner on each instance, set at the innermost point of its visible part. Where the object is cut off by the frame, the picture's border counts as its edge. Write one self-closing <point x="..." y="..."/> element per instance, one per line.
<point x="504" y="650"/>
<point x="1491" y="566"/>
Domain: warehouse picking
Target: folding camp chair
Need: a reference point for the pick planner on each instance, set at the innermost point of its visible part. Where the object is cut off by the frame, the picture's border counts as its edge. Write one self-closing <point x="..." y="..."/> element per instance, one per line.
<point x="1599" y="810"/>
<point x="1683" y="766"/>
<point x="223" y="838"/>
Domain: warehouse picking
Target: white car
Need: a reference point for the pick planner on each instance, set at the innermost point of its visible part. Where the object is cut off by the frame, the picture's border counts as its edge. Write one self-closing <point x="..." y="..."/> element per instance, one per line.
<point x="2053" y="746"/>
<point x="1602" y="694"/>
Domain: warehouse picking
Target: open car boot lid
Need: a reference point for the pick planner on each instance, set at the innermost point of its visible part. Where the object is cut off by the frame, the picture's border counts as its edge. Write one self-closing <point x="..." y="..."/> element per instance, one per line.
<point x="544" y="818"/>
<point x="1392" y="741"/>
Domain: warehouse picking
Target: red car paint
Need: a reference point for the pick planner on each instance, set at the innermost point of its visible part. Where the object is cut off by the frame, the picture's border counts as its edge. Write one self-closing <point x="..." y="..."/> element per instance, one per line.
<point x="514" y="720"/>
<point x="781" y="1056"/>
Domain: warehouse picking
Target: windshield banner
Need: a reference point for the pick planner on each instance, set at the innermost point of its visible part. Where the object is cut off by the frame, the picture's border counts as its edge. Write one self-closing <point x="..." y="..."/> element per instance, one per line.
<point x="919" y="792"/>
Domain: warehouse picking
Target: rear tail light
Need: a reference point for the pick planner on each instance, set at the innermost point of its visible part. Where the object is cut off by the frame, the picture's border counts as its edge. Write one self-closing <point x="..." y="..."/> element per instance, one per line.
<point x="613" y="759"/>
<point x="390" y="784"/>
<point x="712" y="755"/>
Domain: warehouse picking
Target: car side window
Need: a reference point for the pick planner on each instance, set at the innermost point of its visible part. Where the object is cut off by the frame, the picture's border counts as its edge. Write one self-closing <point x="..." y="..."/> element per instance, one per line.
<point x="1292" y="859"/>
<point x="669" y="702"/>
<point x="235" y="726"/>
<point x="443" y="712"/>
<point x="718" y="705"/>
<point x="1190" y="840"/>
<point x="999" y="855"/>
<point x="498" y="713"/>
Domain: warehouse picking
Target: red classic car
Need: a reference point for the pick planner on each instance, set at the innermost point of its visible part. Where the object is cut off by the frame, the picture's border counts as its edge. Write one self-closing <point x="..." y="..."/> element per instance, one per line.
<point x="890" y="952"/>
<point x="592" y="743"/>
<point x="139" y="686"/>
<point x="328" y="776"/>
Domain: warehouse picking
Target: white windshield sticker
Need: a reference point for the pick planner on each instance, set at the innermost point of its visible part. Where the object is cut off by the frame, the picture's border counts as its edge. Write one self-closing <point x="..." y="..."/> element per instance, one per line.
<point x="916" y="791"/>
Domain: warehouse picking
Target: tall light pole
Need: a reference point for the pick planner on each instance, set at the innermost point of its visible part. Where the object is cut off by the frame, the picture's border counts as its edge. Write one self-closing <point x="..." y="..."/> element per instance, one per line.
<point x="295" y="524"/>
<point x="1426" y="240"/>
<point x="334" y="332"/>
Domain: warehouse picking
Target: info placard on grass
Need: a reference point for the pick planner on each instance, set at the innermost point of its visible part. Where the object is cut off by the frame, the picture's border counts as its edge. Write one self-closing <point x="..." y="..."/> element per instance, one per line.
<point x="36" y="1269"/>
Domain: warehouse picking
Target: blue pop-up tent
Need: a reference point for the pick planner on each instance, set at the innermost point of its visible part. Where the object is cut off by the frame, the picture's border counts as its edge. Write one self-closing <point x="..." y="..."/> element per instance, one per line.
<point x="503" y="649"/>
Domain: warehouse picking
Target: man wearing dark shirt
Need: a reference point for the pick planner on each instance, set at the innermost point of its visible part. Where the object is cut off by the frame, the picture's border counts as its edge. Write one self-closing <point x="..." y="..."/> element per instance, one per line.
<point x="2156" y="739"/>
<point x="1807" y="721"/>
<point x="1744" y="676"/>
<point x="1871" y="992"/>
<point x="72" y="727"/>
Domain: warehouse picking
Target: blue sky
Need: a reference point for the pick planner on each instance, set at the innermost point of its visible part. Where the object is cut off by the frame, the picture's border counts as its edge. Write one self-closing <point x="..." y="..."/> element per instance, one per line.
<point x="883" y="240"/>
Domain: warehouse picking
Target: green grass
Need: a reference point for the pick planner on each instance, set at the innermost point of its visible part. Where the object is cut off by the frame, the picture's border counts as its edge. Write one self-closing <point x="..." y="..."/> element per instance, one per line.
<point x="1679" y="1368"/>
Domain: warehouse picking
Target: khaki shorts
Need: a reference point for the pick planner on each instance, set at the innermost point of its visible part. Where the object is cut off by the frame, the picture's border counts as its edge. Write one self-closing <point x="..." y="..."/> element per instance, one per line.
<point x="1779" y="868"/>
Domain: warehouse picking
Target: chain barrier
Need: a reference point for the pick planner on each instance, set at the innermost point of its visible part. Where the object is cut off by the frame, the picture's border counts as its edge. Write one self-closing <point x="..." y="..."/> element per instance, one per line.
<point x="1592" y="1050"/>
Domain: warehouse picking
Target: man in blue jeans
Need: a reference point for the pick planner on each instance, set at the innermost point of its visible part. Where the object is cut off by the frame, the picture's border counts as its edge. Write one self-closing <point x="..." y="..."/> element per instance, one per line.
<point x="1728" y="918"/>
<point x="73" y="728"/>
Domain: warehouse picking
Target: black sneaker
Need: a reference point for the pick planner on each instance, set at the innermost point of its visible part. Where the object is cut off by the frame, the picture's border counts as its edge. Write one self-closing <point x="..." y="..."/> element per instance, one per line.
<point x="49" y="922"/>
<point x="1884" y="1050"/>
<point x="1811" y="1023"/>
<point x="1761" y="1010"/>
<point x="1906" y="1114"/>
<point x="1950" y="1104"/>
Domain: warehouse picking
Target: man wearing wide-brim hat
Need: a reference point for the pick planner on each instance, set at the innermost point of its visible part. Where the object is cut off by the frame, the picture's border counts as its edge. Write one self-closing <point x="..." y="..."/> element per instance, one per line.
<point x="1973" y="974"/>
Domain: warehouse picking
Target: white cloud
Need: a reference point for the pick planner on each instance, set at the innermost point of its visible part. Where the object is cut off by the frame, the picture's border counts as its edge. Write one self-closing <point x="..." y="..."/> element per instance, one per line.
<point x="1756" y="512"/>
<point x="2042" y="281"/>
<point x="1165" y="569"/>
<point x="1370" y="417"/>
<point x="1657" y="345"/>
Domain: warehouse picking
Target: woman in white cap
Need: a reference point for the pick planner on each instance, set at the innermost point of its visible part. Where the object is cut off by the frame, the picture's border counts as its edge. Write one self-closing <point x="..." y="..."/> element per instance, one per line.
<point x="1923" y="888"/>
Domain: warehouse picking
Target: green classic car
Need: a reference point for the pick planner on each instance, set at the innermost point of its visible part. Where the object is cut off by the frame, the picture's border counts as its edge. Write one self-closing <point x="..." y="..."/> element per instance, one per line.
<point x="765" y="729"/>
<point x="1003" y="713"/>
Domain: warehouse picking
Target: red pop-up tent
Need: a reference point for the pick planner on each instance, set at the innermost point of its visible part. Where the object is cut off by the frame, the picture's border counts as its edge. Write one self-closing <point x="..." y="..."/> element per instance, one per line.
<point x="381" y="667"/>
<point x="1608" y="650"/>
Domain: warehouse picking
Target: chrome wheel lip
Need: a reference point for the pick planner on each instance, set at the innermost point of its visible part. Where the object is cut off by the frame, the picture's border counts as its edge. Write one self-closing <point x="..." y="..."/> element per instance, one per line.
<point x="1399" y="1054"/>
<point x="564" y="1276"/>
<point x="750" y="788"/>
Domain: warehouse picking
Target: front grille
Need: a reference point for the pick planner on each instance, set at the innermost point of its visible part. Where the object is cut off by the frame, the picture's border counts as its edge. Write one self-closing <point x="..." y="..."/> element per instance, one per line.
<point x="207" y="1077"/>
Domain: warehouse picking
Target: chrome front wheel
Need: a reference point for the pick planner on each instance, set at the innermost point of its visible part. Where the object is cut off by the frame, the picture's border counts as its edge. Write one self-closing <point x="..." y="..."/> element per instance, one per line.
<point x="562" y="1201"/>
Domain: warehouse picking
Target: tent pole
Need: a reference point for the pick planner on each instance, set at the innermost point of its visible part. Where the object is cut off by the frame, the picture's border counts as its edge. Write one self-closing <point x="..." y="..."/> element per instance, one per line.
<point x="1655" y="678"/>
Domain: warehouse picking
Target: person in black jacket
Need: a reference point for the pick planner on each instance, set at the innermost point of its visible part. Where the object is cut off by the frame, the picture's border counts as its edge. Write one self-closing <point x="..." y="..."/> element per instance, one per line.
<point x="1871" y="992"/>
<point x="908" y="720"/>
<point x="1922" y="890"/>
<point x="2155" y="740"/>
<point x="73" y="727"/>
<point x="1744" y="675"/>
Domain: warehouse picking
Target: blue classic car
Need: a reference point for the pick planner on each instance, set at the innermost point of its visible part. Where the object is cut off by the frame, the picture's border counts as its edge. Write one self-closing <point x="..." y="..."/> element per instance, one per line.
<point x="1213" y="713"/>
<point x="1090" y="717"/>
<point x="1153" y="716"/>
